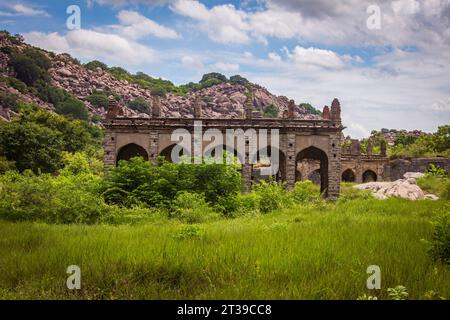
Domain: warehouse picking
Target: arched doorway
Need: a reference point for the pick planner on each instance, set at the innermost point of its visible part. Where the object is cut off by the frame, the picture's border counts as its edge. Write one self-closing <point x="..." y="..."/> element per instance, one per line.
<point x="314" y="153"/>
<point x="348" y="176"/>
<point x="369" y="176"/>
<point x="130" y="151"/>
<point x="167" y="153"/>
<point x="267" y="161"/>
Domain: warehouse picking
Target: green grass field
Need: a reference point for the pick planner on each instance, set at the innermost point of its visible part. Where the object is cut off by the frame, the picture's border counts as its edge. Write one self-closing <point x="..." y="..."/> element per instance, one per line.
<point x="315" y="251"/>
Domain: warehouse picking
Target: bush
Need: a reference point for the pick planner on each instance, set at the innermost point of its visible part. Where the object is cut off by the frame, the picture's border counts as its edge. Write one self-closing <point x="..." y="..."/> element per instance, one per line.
<point x="39" y="57"/>
<point x="93" y="65"/>
<point x="27" y="70"/>
<point x="271" y="111"/>
<point x="98" y="100"/>
<point x="139" y="104"/>
<point x="37" y="138"/>
<point x="305" y="190"/>
<point x="191" y="208"/>
<point x="50" y="94"/>
<point x="15" y="83"/>
<point x="348" y="192"/>
<point x="439" y="246"/>
<point x="72" y="107"/>
<point x="8" y="100"/>
<point x="62" y="199"/>
<point x="270" y="196"/>
<point x="140" y="182"/>
<point x="435" y="184"/>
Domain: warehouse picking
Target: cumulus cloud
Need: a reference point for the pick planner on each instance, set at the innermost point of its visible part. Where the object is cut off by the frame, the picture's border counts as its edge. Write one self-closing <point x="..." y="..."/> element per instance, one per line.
<point x="134" y="25"/>
<point x="192" y="62"/>
<point x="404" y="22"/>
<point x="89" y="45"/>
<point x="21" y="9"/>
<point x="224" y="66"/>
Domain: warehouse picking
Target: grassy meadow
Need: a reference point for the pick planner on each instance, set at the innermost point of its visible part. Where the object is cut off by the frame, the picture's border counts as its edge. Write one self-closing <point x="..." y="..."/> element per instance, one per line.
<point x="316" y="250"/>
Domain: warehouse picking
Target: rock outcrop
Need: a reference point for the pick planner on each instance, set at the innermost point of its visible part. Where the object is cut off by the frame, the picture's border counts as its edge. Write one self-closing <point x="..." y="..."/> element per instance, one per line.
<point x="403" y="188"/>
<point x="225" y="100"/>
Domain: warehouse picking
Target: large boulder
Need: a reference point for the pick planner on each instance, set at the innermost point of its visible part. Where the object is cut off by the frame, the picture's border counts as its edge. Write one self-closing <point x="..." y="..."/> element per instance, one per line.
<point x="414" y="175"/>
<point x="402" y="188"/>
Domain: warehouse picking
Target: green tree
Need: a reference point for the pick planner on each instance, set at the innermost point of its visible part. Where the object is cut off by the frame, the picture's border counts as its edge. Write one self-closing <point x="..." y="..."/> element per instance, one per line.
<point x="72" y="107"/>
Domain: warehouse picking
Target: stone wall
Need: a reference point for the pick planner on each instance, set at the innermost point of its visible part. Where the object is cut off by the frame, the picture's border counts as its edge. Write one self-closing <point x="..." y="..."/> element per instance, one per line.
<point x="398" y="167"/>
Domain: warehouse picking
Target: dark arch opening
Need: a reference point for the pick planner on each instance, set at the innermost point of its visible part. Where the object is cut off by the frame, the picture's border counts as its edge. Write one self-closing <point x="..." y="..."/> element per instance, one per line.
<point x="167" y="152"/>
<point x="348" y="176"/>
<point x="130" y="151"/>
<point x="281" y="174"/>
<point x="369" y="176"/>
<point x="314" y="153"/>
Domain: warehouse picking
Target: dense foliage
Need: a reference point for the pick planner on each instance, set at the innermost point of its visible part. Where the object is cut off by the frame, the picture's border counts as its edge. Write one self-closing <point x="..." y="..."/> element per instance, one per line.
<point x="36" y="139"/>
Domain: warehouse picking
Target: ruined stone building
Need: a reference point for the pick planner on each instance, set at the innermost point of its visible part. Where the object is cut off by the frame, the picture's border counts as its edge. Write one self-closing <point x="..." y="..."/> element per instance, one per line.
<point x="308" y="149"/>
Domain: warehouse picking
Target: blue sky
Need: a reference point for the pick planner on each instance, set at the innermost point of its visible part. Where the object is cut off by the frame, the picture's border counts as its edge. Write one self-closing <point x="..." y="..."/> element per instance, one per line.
<point x="394" y="76"/>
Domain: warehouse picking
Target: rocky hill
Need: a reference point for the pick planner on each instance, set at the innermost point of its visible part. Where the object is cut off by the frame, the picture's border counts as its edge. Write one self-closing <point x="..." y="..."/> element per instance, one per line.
<point x="224" y="99"/>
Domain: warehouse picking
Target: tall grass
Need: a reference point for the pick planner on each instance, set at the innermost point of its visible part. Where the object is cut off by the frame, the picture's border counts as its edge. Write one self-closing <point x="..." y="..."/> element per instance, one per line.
<point x="311" y="251"/>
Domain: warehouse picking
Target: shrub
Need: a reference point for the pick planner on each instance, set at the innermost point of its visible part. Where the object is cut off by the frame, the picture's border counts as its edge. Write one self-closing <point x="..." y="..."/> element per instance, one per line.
<point x="72" y="107"/>
<point x="8" y="100"/>
<point x="98" y="100"/>
<point x="237" y="79"/>
<point x="36" y="139"/>
<point x="16" y="84"/>
<point x="435" y="184"/>
<point x="139" y="104"/>
<point x="398" y="293"/>
<point x="49" y="93"/>
<point x="93" y="65"/>
<point x="439" y="245"/>
<point x="348" y="192"/>
<point x="62" y="199"/>
<point x="270" y="196"/>
<point x="27" y="70"/>
<point x="142" y="182"/>
<point x="305" y="190"/>
<point x="271" y="111"/>
<point x="191" y="208"/>
<point x="39" y="57"/>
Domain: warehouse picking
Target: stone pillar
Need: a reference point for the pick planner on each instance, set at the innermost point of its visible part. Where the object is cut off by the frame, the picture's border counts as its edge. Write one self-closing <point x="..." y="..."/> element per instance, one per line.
<point x="383" y="148"/>
<point x="326" y="113"/>
<point x="291" y="109"/>
<point x="109" y="147"/>
<point x="156" y="107"/>
<point x="369" y="147"/>
<point x="335" y="112"/>
<point x="248" y="107"/>
<point x="247" y="168"/>
<point x="291" y="163"/>
<point x="153" y="145"/>
<point x="198" y="107"/>
<point x="334" y="166"/>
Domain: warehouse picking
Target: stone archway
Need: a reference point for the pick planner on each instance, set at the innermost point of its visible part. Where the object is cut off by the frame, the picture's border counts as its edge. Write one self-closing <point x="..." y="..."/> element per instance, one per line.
<point x="369" y="176"/>
<point x="131" y="150"/>
<point x="314" y="153"/>
<point x="348" y="176"/>
<point x="281" y="174"/>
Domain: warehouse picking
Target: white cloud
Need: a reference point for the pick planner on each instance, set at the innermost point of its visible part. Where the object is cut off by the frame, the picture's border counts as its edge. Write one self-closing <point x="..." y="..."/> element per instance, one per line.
<point x="192" y="62"/>
<point x="89" y="44"/>
<point x="313" y="57"/>
<point x="222" y="23"/>
<point x="224" y="66"/>
<point x="135" y="26"/>
<point x="20" y="9"/>
<point x="274" y="57"/>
